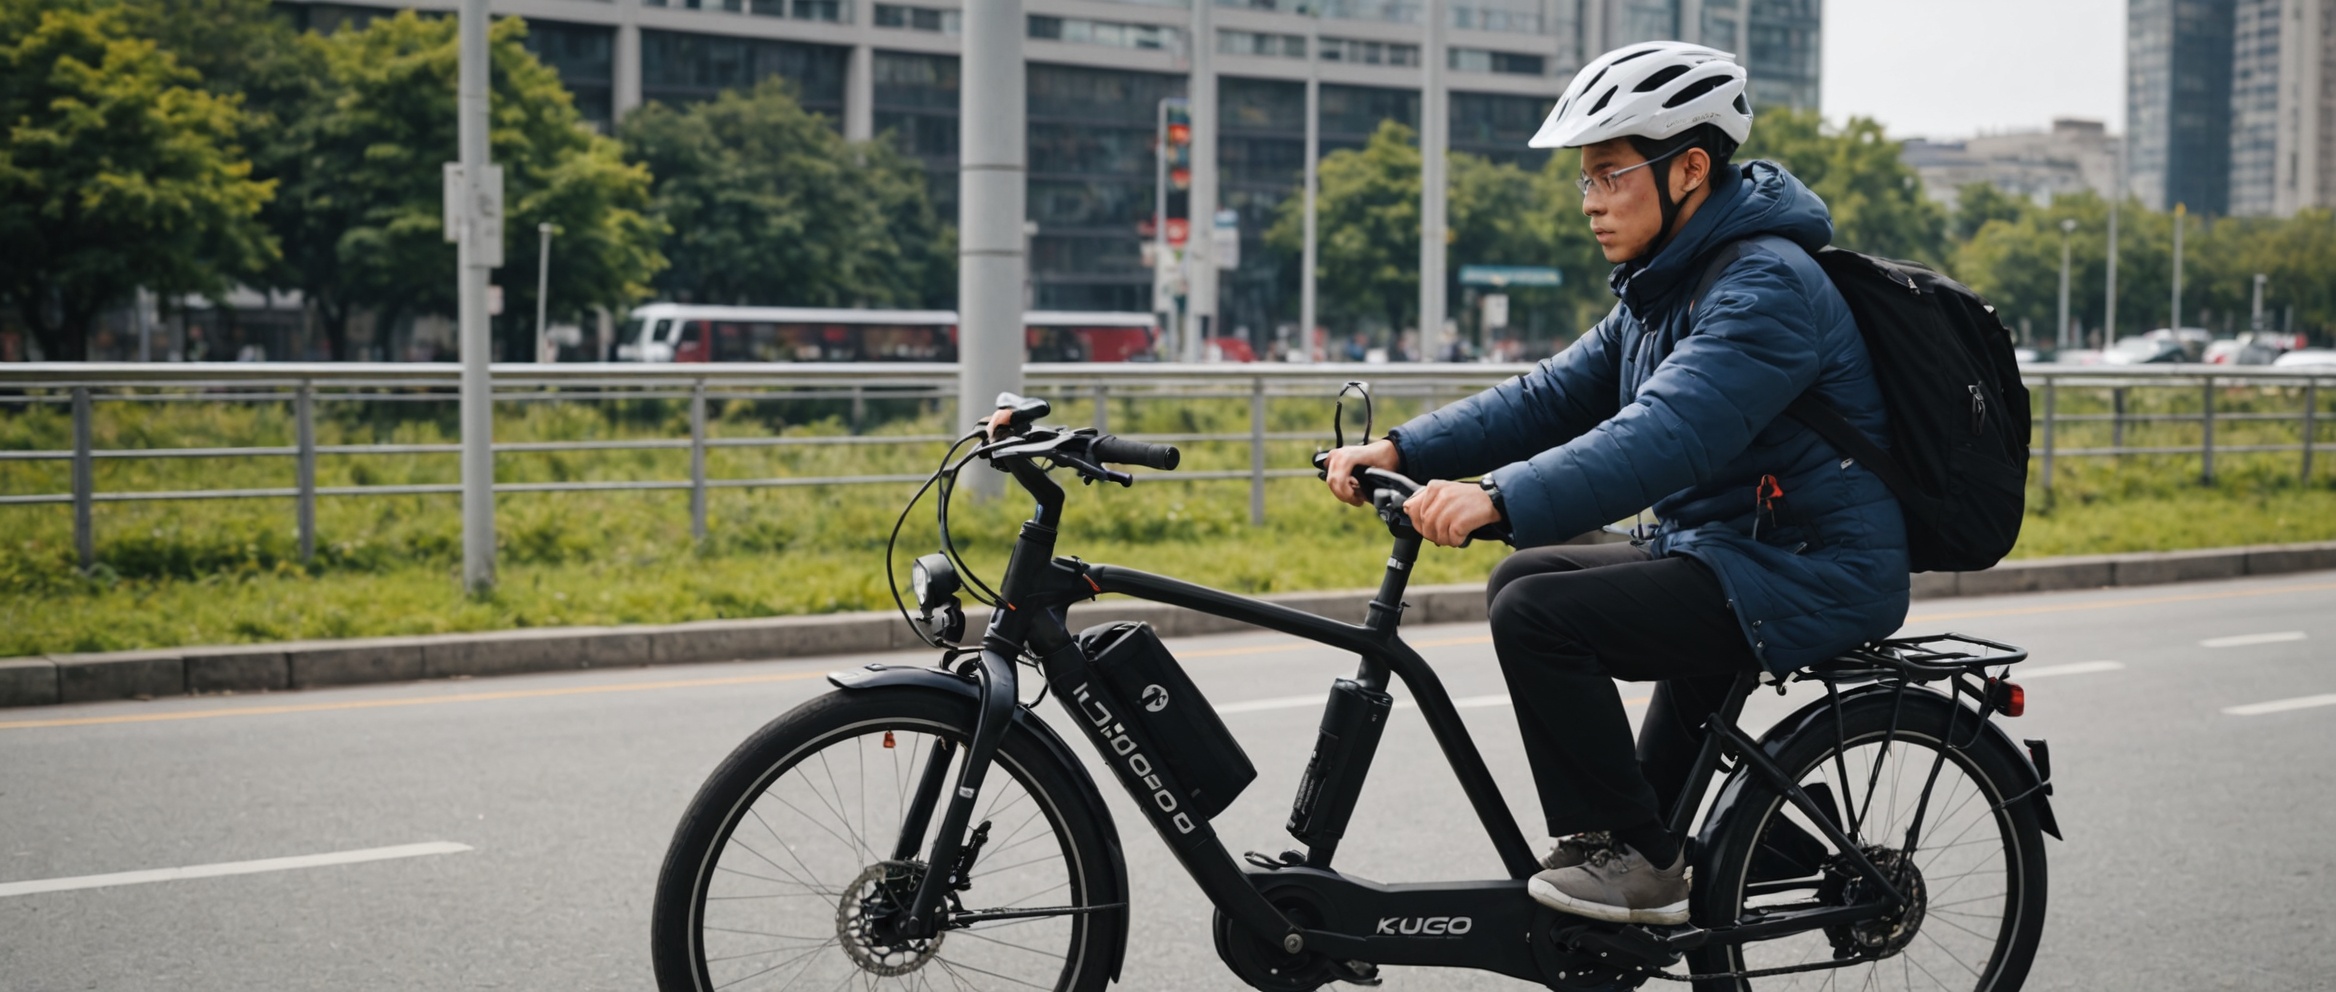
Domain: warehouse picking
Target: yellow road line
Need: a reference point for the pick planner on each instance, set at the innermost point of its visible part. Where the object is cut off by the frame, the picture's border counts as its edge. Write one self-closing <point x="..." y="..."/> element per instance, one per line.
<point x="370" y="704"/>
<point x="480" y="697"/>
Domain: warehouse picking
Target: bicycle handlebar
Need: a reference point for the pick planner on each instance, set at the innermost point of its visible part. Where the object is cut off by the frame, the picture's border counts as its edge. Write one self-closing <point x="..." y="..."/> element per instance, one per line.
<point x="1121" y="451"/>
<point x="1387" y="491"/>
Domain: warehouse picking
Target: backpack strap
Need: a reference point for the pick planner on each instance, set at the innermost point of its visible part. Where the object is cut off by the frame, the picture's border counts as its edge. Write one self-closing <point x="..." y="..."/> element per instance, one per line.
<point x="1816" y="414"/>
<point x="1828" y="423"/>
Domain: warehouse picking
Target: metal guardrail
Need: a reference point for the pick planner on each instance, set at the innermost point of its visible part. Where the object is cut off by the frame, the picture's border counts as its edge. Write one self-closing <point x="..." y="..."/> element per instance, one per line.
<point x="82" y="385"/>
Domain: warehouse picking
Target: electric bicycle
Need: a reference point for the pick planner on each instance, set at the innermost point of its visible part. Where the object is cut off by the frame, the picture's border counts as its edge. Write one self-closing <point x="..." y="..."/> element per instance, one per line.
<point x="922" y="828"/>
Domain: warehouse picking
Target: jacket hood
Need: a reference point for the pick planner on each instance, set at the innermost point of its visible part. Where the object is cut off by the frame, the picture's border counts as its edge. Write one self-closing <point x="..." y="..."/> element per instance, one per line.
<point x="1747" y="200"/>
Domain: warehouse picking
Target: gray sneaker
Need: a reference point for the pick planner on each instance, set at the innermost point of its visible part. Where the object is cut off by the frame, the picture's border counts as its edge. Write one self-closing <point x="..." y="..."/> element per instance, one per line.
<point x="1574" y="850"/>
<point x="1618" y="885"/>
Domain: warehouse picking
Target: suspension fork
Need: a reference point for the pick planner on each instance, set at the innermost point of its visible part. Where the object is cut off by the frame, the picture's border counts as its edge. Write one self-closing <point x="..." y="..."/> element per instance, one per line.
<point x="996" y="675"/>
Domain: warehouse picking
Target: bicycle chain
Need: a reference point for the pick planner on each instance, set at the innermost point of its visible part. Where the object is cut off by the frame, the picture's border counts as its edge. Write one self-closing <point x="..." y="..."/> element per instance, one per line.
<point x="1750" y="973"/>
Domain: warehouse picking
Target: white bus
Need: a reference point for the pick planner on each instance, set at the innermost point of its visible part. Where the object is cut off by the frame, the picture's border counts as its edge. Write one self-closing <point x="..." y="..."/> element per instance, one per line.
<point x="682" y="332"/>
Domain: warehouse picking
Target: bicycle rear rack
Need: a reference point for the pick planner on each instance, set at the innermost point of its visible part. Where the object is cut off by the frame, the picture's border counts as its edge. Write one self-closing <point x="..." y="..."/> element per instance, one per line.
<point x="1927" y="658"/>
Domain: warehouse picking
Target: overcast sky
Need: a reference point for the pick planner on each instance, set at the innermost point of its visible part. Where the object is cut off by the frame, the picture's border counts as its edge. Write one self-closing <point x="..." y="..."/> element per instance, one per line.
<point x="1950" y="68"/>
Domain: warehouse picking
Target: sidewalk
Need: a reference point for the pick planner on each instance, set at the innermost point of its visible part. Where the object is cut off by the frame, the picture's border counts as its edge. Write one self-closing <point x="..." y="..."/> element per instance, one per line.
<point x="74" y="678"/>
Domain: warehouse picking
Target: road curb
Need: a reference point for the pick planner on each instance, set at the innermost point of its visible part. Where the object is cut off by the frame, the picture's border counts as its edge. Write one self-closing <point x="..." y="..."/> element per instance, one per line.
<point x="72" y="678"/>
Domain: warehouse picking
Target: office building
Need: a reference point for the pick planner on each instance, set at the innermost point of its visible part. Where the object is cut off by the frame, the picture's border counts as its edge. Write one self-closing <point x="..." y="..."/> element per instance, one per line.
<point x="2283" y="99"/>
<point x="2178" y="102"/>
<point x="2073" y="157"/>
<point x="1097" y="70"/>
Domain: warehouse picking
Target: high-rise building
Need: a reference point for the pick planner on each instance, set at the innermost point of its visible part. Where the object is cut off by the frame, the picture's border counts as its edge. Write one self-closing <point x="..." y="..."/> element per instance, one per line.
<point x="1097" y="70"/>
<point x="2178" y="102"/>
<point x="2283" y="107"/>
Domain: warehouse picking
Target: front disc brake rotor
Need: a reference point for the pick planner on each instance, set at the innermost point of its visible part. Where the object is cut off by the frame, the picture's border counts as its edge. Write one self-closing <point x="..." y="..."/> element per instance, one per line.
<point x="863" y="920"/>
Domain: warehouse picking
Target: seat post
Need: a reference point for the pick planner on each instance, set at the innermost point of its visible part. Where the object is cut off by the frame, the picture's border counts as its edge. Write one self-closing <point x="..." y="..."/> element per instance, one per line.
<point x="1387" y="606"/>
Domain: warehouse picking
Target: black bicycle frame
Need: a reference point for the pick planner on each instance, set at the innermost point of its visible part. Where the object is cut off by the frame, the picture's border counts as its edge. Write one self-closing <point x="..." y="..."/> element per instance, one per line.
<point x="1034" y="596"/>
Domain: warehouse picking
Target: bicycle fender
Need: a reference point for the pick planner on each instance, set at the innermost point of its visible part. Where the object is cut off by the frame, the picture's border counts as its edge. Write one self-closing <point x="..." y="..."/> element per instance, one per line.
<point x="2031" y="787"/>
<point x="917" y="676"/>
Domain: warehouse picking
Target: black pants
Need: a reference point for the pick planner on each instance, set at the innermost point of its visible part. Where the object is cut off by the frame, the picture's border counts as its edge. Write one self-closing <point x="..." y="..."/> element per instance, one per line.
<point x="1570" y="619"/>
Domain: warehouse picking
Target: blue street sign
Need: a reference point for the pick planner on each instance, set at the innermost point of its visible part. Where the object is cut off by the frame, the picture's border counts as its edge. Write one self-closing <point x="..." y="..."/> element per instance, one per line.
<point x="1510" y="275"/>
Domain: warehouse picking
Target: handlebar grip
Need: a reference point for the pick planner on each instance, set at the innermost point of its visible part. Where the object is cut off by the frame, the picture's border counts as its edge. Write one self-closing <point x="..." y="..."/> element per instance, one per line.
<point x="1122" y="451"/>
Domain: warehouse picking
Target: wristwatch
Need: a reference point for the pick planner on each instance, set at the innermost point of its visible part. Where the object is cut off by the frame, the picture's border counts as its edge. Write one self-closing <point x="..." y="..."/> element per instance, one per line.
<point x="1499" y="505"/>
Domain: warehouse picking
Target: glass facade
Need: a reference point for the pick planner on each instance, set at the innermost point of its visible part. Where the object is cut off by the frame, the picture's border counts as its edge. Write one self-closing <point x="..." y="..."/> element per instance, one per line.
<point x="1481" y="60"/>
<point x="1091" y="170"/>
<point x="1110" y="34"/>
<point x="2255" y="107"/>
<point x="1497" y="125"/>
<point x="1781" y="53"/>
<point x="2178" y="102"/>
<point x="1267" y="44"/>
<point x="915" y="103"/>
<point x="892" y="15"/>
<point x="679" y="68"/>
<point x="1369" y="52"/>
<point x="584" y="56"/>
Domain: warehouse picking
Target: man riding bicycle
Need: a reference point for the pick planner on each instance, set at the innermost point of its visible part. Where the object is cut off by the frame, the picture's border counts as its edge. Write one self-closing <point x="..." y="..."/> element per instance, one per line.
<point x="1773" y="550"/>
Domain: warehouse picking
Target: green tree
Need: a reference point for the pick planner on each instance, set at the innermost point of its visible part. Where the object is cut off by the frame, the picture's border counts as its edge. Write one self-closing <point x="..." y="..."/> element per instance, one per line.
<point x="362" y="182"/>
<point x="118" y="172"/>
<point x="1978" y="203"/>
<point x="1877" y="201"/>
<point x="768" y="204"/>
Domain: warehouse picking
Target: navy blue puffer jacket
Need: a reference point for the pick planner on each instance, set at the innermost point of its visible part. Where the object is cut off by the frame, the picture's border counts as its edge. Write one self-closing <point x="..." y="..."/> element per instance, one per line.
<point x="1680" y="408"/>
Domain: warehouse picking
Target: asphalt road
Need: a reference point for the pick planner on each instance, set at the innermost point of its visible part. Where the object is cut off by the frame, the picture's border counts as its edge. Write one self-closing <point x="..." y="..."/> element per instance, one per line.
<point x="2198" y="852"/>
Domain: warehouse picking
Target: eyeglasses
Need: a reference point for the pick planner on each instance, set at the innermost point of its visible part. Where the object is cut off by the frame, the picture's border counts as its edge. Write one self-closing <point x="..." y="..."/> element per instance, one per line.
<point x="1607" y="183"/>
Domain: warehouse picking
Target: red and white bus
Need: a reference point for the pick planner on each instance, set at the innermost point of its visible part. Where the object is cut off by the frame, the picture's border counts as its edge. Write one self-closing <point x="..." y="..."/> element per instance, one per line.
<point x="681" y="332"/>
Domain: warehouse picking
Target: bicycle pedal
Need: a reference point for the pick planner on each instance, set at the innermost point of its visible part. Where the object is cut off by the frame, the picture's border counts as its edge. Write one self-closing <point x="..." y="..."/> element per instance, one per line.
<point x="1355" y="972"/>
<point x="1287" y="859"/>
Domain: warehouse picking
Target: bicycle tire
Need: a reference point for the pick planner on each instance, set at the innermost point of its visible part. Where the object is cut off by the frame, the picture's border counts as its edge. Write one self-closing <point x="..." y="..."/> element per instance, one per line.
<point x="734" y="795"/>
<point x="1991" y="768"/>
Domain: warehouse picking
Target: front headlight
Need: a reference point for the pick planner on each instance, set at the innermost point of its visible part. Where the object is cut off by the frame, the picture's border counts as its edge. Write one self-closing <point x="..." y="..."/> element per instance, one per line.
<point x="932" y="580"/>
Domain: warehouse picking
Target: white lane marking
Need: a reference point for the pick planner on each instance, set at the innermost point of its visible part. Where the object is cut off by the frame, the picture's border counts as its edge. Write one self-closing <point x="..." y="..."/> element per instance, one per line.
<point x="37" y="885"/>
<point x="2072" y="668"/>
<point x="2282" y="705"/>
<point x="2242" y="640"/>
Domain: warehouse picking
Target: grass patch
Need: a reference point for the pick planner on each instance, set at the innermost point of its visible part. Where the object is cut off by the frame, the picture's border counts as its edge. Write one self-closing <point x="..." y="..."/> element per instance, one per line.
<point x="228" y="571"/>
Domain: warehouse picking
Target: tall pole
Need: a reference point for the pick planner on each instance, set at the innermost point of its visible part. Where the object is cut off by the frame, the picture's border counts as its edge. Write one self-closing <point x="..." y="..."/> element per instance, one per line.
<point x="1432" y="140"/>
<point x="2116" y="201"/>
<point x="1200" y="241"/>
<point x="2061" y="339"/>
<point x="2179" y="213"/>
<point x="1163" y="303"/>
<point x="990" y="191"/>
<point x="480" y="226"/>
<point x="2255" y="323"/>
<point x="543" y="289"/>
<point x="1310" y="258"/>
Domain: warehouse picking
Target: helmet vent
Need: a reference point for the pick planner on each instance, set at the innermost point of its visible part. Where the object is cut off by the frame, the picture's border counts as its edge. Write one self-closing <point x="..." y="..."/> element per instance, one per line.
<point x="1641" y="53"/>
<point x="1658" y="78"/>
<point x="1695" y="89"/>
<point x="1601" y="104"/>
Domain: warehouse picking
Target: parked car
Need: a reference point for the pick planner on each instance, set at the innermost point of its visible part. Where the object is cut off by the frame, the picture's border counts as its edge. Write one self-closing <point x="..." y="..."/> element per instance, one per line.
<point x="2265" y="347"/>
<point x="2306" y="356"/>
<point x="2225" y="351"/>
<point x="2078" y="356"/>
<point x="2146" y="350"/>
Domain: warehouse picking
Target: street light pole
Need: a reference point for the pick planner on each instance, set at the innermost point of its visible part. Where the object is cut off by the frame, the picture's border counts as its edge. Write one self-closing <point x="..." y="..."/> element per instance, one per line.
<point x="2256" y="322"/>
<point x="476" y="223"/>
<point x="991" y="191"/>
<point x="2061" y="338"/>
<point x="1432" y="141"/>
<point x="543" y="284"/>
<point x="2117" y="199"/>
<point x="1310" y="257"/>
<point x="2180" y="212"/>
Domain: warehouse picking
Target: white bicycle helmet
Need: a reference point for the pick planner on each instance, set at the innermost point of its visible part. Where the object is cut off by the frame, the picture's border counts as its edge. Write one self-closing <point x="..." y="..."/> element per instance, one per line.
<point x="1652" y="90"/>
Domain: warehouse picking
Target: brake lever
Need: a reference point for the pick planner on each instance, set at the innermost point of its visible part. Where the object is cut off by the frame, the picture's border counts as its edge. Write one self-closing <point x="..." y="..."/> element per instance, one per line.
<point x="1092" y="471"/>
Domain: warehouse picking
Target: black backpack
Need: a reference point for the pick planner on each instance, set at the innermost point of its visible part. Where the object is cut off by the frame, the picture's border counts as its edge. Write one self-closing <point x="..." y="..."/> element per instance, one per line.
<point x="1958" y="412"/>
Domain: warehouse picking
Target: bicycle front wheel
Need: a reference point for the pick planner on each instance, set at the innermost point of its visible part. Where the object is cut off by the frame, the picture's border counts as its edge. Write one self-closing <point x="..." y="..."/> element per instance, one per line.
<point x="784" y="872"/>
<point x="1972" y="864"/>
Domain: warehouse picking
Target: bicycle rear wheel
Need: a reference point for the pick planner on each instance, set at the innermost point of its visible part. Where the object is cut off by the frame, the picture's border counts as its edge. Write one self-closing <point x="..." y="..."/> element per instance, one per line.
<point x="783" y="870"/>
<point x="1976" y="868"/>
